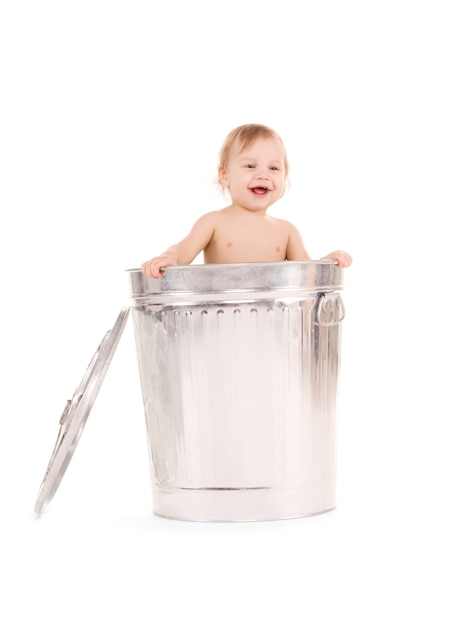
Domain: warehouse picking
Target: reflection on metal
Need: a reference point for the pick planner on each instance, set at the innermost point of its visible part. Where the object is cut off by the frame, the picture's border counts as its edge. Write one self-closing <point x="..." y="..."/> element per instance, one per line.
<point x="239" y="370"/>
<point x="76" y="412"/>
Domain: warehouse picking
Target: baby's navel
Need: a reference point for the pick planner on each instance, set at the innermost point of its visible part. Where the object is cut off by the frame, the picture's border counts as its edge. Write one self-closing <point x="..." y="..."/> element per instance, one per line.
<point x="229" y="244"/>
<point x="277" y="248"/>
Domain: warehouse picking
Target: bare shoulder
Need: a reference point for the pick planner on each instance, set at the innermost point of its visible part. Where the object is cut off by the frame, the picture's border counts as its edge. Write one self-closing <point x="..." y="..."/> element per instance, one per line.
<point x="289" y="227"/>
<point x="210" y="217"/>
<point x="207" y="222"/>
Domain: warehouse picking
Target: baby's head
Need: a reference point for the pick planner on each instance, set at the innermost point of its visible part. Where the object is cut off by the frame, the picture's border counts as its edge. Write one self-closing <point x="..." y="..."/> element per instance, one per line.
<point x="243" y="137"/>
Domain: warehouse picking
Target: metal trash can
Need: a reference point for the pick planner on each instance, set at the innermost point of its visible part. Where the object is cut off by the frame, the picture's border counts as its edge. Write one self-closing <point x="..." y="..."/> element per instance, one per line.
<point x="239" y="369"/>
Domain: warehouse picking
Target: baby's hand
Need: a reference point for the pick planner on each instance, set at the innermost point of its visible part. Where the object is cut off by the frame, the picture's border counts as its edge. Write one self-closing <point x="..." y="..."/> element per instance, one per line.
<point x="154" y="267"/>
<point x="344" y="260"/>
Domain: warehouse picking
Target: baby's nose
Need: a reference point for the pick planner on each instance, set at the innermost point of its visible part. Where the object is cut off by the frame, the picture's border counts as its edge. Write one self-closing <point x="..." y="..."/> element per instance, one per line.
<point x="264" y="174"/>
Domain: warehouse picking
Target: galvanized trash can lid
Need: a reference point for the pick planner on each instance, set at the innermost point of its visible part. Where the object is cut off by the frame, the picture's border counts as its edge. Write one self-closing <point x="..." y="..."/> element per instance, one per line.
<point x="76" y="412"/>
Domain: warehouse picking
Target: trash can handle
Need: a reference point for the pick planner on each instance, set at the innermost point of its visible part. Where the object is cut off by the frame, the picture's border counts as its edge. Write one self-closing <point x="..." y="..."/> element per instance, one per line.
<point x="320" y="308"/>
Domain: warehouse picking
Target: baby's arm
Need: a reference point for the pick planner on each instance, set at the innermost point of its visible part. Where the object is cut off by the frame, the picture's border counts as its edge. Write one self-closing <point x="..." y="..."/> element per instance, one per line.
<point x="344" y="260"/>
<point x="186" y="250"/>
<point x="295" y="246"/>
<point x="297" y="252"/>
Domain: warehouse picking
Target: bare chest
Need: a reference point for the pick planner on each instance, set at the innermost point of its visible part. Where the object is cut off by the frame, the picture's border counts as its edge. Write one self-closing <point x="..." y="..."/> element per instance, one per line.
<point x="251" y="242"/>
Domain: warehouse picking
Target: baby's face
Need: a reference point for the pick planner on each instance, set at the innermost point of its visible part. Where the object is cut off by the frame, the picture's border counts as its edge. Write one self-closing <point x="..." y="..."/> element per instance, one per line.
<point x="256" y="176"/>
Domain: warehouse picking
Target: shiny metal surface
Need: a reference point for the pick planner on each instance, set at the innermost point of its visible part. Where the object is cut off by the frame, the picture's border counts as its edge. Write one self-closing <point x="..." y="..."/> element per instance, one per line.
<point x="76" y="412"/>
<point x="239" y="370"/>
<point x="220" y="280"/>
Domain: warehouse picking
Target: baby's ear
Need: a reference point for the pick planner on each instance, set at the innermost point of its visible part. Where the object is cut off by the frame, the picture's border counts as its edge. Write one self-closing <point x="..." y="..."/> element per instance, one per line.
<point x="222" y="176"/>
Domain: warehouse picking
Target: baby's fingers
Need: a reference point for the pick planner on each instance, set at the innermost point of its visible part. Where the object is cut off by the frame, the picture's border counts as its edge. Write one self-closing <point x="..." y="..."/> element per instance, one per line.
<point x="151" y="268"/>
<point x="344" y="259"/>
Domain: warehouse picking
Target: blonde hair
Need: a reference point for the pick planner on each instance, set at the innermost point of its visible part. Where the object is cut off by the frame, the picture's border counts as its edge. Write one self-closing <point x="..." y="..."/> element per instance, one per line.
<point x="245" y="136"/>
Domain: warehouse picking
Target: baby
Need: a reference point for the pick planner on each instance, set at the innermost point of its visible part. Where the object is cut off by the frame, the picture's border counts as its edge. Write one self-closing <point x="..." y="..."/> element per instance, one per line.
<point x="253" y="168"/>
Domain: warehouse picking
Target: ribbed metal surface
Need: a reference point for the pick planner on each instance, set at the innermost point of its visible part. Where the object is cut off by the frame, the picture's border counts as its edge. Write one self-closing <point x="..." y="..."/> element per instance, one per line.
<point x="240" y="401"/>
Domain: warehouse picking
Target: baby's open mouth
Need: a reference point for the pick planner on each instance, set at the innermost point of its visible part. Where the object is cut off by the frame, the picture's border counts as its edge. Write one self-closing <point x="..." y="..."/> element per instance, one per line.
<point x="259" y="191"/>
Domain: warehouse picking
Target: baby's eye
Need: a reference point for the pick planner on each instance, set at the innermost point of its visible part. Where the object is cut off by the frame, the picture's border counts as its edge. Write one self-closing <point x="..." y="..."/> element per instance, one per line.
<point x="274" y="168"/>
<point x="250" y="165"/>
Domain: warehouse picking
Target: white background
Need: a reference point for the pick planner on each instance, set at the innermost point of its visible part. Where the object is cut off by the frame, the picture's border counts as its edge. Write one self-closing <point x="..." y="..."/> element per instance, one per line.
<point x="112" y="115"/>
